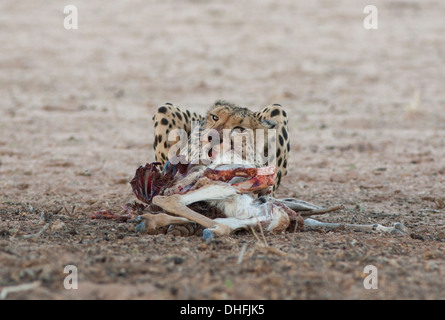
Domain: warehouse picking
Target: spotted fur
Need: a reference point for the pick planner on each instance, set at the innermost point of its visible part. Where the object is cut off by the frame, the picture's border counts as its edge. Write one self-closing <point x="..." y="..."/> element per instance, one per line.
<point x="223" y="115"/>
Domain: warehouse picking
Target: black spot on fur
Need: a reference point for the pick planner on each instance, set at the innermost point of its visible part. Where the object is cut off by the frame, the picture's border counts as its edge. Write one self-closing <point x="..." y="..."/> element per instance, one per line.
<point x="285" y="163"/>
<point x="162" y="110"/>
<point x="179" y="115"/>
<point x="164" y="121"/>
<point x="278" y="152"/>
<point x="280" y="138"/>
<point x="275" y="112"/>
<point x="156" y="124"/>
<point x="283" y="130"/>
<point x="280" y="161"/>
<point x="159" y="138"/>
<point x="284" y="113"/>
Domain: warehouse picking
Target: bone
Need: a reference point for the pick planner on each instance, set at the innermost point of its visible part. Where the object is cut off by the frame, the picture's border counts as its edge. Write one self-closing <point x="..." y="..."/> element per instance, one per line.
<point x="216" y="185"/>
<point x="150" y="222"/>
<point x="244" y="214"/>
<point x="213" y="192"/>
<point x="320" y="211"/>
<point x="238" y="224"/>
<point x="304" y="208"/>
<point x="21" y="287"/>
<point x="397" y="228"/>
<point x="177" y="204"/>
<point x="296" y="204"/>
<point x="272" y="216"/>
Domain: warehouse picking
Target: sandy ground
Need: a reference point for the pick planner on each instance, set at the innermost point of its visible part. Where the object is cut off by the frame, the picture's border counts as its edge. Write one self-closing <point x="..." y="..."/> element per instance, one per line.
<point x="367" y="122"/>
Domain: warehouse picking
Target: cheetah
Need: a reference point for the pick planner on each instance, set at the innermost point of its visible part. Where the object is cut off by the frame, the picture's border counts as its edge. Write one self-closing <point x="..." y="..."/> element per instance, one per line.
<point x="223" y="115"/>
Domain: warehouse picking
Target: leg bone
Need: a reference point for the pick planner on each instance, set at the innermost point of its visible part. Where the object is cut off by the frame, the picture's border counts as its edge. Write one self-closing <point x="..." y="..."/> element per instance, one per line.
<point x="271" y="217"/>
<point x="177" y="204"/>
<point x="295" y="204"/>
<point x="314" y="224"/>
<point x="150" y="222"/>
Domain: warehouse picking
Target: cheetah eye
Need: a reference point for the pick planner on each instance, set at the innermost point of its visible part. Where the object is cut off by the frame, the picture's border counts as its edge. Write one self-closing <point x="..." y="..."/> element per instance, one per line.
<point x="214" y="118"/>
<point x="240" y="129"/>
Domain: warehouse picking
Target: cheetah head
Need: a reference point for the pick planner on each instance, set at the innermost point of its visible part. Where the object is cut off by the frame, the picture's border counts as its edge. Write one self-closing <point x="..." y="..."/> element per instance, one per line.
<point x="228" y="122"/>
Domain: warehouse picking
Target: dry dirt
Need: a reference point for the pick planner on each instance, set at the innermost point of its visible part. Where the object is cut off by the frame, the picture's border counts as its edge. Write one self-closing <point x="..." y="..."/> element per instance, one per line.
<point x="367" y="122"/>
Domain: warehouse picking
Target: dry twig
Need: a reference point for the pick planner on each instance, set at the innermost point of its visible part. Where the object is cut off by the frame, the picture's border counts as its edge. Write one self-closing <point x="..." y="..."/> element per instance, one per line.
<point x="241" y="254"/>
<point x="38" y="234"/>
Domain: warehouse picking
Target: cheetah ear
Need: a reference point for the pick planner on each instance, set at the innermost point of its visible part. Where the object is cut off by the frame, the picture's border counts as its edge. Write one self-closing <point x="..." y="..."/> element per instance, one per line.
<point x="269" y="123"/>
